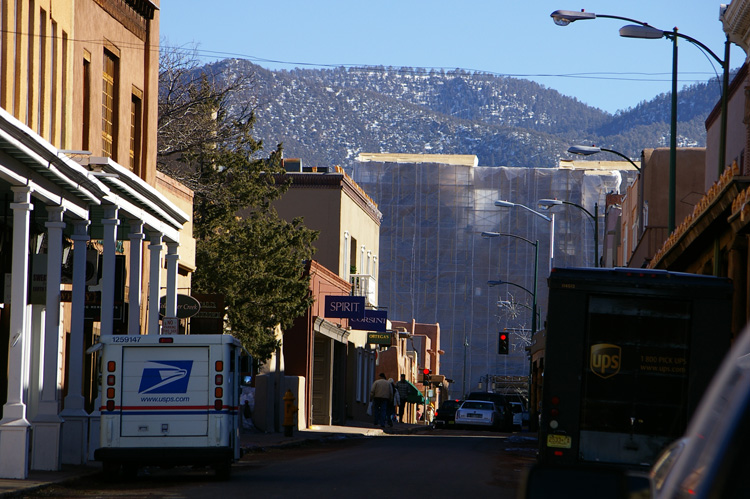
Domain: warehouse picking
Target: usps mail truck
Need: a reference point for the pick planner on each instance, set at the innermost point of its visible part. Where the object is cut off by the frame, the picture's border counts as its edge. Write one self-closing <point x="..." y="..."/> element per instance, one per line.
<point x="169" y="400"/>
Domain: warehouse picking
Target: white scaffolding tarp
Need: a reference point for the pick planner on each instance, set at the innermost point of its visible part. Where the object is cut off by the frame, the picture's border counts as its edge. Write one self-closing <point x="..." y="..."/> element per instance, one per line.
<point x="434" y="264"/>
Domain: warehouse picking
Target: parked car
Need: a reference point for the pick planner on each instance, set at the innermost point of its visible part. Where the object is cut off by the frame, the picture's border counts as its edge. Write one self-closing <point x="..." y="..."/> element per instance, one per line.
<point x="479" y="414"/>
<point x="710" y="460"/>
<point x="503" y="405"/>
<point x="517" y="410"/>
<point x="521" y="399"/>
<point x="445" y="415"/>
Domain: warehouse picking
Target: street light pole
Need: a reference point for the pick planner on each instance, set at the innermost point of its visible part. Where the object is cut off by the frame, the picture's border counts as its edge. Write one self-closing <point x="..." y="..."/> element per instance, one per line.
<point x="536" y="275"/>
<point x="534" y="324"/>
<point x="671" y="224"/>
<point x="546" y="204"/>
<point x="644" y="30"/>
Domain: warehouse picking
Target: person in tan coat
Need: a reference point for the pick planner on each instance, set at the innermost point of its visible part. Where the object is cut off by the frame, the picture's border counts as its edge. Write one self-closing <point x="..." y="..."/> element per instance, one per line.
<point x="381" y="395"/>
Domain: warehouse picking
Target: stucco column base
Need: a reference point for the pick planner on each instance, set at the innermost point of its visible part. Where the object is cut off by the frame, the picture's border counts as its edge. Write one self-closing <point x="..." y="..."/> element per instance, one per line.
<point x="95" y="423"/>
<point x="46" y="450"/>
<point x="14" y="449"/>
<point x="75" y="438"/>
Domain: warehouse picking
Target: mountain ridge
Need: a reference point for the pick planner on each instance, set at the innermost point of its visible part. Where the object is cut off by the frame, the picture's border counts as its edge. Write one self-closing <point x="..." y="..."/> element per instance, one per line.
<point x="327" y="117"/>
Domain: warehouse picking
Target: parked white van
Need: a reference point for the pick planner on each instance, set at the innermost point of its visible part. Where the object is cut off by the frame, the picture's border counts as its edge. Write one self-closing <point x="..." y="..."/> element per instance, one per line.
<point x="169" y="400"/>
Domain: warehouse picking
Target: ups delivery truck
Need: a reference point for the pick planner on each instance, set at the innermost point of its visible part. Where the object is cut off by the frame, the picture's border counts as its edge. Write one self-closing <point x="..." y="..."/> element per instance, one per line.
<point x="628" y="354"/>
<point x="169" y="400"/>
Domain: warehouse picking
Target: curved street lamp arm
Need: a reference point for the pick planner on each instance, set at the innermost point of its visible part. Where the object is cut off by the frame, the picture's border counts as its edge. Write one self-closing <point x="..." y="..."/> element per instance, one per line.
<point x="622" y="156"/>
<point x="623" y="19"/>
<point x="497" y="234"/>
<point x="497" y="283"/>
<point x="581" y="207"/>
<point x="700" y="45"/>
<point x="535" y="212"/>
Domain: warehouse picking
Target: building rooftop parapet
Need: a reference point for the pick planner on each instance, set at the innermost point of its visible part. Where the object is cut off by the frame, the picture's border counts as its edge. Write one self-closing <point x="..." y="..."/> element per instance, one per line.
<point x="441" y="159"/>
<point x="354" y="184"/>
<point x="591" y="165"/>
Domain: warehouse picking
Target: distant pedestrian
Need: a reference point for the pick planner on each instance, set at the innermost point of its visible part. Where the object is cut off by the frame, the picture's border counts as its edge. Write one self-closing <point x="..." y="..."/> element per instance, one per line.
<point x="381" y="394"/>
<point x="394" y="402"/>
<point x="403" y="387"/>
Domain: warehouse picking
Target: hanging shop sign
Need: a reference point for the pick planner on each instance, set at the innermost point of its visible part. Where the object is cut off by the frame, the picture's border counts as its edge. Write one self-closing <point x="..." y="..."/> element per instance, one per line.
<point x="374" y="320"/>
<point x="187" y="306"/>
<point x="345" y="307"/>
<point x="379" y="338"/>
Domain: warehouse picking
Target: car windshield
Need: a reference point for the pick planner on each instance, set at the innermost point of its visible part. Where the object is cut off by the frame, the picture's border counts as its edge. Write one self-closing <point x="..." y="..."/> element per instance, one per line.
<point x="475" y="404"/>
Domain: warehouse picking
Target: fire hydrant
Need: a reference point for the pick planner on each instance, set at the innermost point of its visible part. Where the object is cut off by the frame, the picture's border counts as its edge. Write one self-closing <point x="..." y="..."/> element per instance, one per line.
<point x="289" y="410"/>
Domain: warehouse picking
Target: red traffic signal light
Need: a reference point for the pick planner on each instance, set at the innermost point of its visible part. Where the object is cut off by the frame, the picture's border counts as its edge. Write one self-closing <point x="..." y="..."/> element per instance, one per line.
<point x="426" y="371"/>
<point x="425" y="376"/>
<point x="502" y="345"/>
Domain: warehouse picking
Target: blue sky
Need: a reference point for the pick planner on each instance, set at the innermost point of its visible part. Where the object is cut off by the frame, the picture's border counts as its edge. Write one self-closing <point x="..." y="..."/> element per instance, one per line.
<point x="587" y="60"/>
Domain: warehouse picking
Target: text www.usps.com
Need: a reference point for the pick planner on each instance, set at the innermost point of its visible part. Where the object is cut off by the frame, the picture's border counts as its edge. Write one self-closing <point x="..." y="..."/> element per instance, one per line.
<point x="166" y="400"/>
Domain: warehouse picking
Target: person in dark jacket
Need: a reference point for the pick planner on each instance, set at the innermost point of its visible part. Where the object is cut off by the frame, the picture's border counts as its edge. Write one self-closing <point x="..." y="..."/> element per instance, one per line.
<point x="403" y="387"/>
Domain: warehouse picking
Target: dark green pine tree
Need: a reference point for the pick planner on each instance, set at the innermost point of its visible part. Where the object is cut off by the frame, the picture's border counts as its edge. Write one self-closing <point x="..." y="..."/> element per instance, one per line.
<point x="244" y="250"/>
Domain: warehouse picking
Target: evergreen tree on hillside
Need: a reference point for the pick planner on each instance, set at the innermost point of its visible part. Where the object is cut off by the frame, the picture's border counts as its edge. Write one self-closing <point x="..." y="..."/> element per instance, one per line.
<point x="244" y="250"/>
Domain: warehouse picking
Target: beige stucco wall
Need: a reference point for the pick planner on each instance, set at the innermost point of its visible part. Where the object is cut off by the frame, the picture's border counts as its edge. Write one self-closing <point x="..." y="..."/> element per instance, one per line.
<point x="333" y="210"/>
<point x="27" y="92"/>
<point x="736" y="133"/>
<point x="182" y="197"/>
<point x="365" y="230"/>
<point x="653" y="185"/>
<point x="320" y="209"/>
<point x="94" y="31"/>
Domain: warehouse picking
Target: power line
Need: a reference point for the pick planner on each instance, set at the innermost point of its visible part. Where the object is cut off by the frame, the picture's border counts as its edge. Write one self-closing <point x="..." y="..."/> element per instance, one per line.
<point x="413" y="70"/>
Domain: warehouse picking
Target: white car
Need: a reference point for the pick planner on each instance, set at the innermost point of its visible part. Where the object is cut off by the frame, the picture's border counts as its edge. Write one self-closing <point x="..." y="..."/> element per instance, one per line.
<point x="479" y="413"/>
<point x="517" y="409"/>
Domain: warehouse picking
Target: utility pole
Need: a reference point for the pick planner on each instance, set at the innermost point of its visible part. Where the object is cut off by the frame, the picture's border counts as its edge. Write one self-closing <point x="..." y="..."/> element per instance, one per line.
<point x="463" y="387"/>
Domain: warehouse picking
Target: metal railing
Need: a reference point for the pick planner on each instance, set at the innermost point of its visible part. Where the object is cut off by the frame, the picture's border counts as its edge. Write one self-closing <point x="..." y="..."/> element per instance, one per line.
<point x="364" y="285"/>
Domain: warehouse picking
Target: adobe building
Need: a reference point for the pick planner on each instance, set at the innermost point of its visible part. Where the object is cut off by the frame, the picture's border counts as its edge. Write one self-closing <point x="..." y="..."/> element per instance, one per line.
<point x="87" y="218"/>
<point x="644" y="222"/>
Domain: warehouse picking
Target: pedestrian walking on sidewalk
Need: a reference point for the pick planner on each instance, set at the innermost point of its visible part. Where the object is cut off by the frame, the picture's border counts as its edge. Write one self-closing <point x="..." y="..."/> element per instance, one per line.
<point x="403" y="393"/>
<point x="393" y="403"/>
<point x="381" y="394"/>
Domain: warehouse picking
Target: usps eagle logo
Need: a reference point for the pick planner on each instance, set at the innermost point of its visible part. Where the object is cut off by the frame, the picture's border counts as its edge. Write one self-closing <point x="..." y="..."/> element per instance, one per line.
<point x="165" y="376"/>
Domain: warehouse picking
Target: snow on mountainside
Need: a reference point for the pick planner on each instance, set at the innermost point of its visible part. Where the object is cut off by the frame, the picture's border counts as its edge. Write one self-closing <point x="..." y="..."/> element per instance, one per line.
<point x="328" y="116"/>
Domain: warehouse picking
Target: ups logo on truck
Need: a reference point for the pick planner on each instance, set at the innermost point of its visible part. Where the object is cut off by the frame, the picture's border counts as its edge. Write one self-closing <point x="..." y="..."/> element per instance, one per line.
<point x="605" y="360"/>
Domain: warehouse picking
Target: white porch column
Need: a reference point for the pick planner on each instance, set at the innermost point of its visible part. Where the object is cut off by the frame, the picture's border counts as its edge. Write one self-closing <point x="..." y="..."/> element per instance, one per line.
<point x="75" y="427"/>
<point x="109" y="240"/>
<point x="14" y="428"/>
<point x="136" y="238"/>
<point x="154" y="283"/>
<point x="47" y="425"/>
<point x="172" y="258"/>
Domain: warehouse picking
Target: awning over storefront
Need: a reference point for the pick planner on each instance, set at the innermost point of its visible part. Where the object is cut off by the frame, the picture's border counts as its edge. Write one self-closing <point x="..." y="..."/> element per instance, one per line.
<point x="414" y="395"/>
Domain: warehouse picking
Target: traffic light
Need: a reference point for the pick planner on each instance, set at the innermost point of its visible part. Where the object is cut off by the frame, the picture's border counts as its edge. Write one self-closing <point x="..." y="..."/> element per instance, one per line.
<point x="425" y="376"/>
<point x="502" y="347"/>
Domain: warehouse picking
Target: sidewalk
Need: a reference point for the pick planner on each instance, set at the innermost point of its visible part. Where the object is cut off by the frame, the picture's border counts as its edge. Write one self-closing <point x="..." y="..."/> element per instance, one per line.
<point x="250" y="441"/>
<point x="256" y="440"/>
